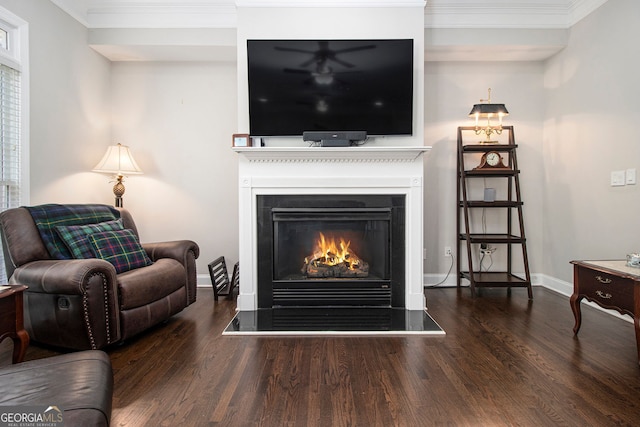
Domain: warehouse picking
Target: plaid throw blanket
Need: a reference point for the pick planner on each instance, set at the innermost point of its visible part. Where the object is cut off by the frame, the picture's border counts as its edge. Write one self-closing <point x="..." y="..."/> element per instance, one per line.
<point x="47" y="217"/>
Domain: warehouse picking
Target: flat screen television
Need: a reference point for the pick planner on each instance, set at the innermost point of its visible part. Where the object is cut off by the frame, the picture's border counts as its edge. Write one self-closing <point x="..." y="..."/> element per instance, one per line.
<point x="330" y="85"/>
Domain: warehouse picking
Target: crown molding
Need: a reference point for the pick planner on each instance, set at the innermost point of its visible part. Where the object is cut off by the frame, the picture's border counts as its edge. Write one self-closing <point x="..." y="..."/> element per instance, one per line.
<point x="579" y="9"/>
<point x="330" y="3"/>
<point x="162" y="14"/>
<point x="543" y="14"/>
<point x="495" y="14"/>
<point x="547" y="14"/>
<point x="77" y="9"/>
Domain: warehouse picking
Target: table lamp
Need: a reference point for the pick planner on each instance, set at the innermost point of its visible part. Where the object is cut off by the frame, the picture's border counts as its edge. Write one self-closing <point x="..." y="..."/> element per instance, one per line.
<point x="488" y="111"/>
<point x="119" y="162"/>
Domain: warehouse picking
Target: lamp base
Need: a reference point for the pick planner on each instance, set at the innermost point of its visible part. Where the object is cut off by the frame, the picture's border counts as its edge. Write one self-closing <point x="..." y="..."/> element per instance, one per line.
<point x="118" y="191"/>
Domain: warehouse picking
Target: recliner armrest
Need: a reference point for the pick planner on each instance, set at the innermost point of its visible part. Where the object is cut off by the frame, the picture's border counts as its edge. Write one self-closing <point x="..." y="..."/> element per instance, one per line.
<point x="67" y="277"/>
<point x="185" y="252"/>
<point x="70" y="303"/>
<point x="176" y="249"/>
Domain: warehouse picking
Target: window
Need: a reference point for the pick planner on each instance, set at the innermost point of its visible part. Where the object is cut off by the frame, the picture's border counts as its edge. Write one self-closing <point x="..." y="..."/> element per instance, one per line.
<point x="9" y="137"/>
<point x="13" y="124"/>
<point x="4" y="39"/>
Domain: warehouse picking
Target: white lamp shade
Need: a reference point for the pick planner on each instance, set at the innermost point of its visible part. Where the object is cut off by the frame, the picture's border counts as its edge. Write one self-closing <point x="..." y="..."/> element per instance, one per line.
<point x="118" y="160"/>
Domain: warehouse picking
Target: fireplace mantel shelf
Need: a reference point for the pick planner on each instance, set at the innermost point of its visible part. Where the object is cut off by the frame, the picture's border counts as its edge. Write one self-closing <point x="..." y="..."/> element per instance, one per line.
<point x="332" y="154"/>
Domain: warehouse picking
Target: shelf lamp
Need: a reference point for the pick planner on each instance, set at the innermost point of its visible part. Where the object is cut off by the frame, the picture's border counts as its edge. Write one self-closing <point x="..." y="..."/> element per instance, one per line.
<point x="119" y="162"/>
<point x="488" y="111"/>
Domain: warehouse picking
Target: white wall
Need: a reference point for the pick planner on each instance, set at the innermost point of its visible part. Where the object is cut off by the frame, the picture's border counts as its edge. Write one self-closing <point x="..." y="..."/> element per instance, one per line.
<point x="451" y="89"/>
<point x="585" y="98"/>
<point x="178" y="119"/>
<point x="70" y="123"/>
<point x="590" y="129"/>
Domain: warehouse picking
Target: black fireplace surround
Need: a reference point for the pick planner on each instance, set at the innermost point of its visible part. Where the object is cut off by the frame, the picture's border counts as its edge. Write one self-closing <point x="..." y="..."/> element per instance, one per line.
<point x="292" y="271"/>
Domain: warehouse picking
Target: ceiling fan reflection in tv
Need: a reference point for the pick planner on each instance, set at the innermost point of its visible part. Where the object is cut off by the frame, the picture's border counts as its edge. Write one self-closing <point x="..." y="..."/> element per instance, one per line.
<point x="298" y="86"/>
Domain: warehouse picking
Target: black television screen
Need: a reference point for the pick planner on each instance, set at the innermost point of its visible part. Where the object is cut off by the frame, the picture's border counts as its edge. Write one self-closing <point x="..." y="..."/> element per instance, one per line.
<point x="330" y="85"/>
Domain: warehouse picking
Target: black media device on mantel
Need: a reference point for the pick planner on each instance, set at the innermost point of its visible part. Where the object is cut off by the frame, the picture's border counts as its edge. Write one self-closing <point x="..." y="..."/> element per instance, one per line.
<point x="334" y="139"/>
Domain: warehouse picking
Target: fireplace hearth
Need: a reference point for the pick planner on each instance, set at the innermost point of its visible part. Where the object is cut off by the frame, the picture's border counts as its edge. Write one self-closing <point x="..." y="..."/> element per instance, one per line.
<point x="331" y="251"/>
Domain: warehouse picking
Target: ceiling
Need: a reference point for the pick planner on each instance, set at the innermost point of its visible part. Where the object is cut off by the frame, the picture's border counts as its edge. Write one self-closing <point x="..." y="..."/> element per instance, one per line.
<point x="495" y="17"/>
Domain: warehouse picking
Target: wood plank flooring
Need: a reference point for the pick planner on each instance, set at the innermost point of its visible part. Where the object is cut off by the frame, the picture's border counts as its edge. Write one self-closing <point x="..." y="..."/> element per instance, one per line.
<point x="505" y="361"/>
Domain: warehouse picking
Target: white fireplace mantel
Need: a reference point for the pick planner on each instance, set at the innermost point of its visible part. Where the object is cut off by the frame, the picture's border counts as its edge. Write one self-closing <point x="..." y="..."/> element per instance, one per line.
<point x="331" y="170"/>
<point x="332" y="154"/>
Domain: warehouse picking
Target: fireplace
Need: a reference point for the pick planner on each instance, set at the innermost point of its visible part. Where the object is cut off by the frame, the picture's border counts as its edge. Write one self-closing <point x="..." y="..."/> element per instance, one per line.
<point x="339" y="176"/>
<point x="331" y="250"/>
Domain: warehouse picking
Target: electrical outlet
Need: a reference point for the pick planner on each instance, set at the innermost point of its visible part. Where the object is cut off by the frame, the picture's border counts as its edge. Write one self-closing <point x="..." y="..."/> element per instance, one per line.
<point x="630" y="176"/>
<point x="447" y="251"/>
<point x="618" y="178"/>
<point x="487" y="249"/>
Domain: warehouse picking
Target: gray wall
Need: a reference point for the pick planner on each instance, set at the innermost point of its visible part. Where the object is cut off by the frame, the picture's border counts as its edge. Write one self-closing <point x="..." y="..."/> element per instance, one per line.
<point x="178" y="119"/>
<point x="70" y="101"/>
<point x="590" y="129"/>
<point x="573" y="116"/>
<point x="451" y="89"/>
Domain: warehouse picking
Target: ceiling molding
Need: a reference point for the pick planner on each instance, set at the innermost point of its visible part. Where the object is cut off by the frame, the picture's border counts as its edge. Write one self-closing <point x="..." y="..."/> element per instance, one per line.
<point x="331" y="3"/>
<point x="496" y="14"/>
<point x="76" y="8"/>
<point x="167" y="14"/>
<point x="509" y="18"/>
<point x="579" y="9"/>
<point x="541" y="14"/>
<point x="547" y="14"/>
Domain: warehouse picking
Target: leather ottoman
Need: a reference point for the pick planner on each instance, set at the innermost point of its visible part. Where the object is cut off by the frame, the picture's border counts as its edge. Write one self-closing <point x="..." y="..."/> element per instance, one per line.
<point x="80" y="384"/>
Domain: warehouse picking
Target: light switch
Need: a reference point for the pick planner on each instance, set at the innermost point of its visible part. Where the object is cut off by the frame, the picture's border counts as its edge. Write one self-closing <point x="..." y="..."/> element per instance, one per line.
<point x="631" y="176"/>
<point x="617" y="178"/>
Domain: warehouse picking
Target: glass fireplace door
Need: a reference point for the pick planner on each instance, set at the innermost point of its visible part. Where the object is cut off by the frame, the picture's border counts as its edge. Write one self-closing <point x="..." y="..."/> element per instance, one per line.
<point x="330" y="250"/>
<point x="331" y="244"/>
<point x="331" y="256"/>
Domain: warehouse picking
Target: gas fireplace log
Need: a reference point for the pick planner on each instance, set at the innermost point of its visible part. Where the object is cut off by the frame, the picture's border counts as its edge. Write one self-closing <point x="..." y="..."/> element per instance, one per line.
<point x="318" y="269"/>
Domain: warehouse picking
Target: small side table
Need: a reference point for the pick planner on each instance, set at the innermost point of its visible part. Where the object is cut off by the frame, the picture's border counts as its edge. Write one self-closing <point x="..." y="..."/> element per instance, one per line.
<point x="12" y="321"/>
<point x="610" y="284"/>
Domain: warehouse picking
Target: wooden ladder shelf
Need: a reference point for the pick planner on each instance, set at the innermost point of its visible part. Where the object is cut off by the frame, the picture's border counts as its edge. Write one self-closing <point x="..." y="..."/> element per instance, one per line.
<point x="513" y="233"/>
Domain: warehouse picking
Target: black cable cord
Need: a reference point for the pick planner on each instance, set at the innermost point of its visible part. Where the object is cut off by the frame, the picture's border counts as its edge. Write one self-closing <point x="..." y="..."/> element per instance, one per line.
<point x="445" y="277"/>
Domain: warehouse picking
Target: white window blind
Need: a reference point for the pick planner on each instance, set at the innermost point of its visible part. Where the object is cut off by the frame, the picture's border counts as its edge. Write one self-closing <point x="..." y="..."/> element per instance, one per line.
<point x="9" y="144"/>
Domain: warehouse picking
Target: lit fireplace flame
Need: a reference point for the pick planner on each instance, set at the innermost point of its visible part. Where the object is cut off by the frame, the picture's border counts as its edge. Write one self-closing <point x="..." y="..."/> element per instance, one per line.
<point x="333" y="258"/>
<point x="333" y="253"/>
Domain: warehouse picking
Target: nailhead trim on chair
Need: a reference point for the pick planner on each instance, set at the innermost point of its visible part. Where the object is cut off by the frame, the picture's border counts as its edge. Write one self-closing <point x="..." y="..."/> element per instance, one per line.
<point x="106" y="309"/>
<point x="105" y="292"/>
<point x="194" y="274"/>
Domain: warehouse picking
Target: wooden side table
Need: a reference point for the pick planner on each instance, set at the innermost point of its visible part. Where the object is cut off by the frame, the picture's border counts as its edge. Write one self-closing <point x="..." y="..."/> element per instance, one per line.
<point x="12" y="321"/>
<point x="610" y="284"/>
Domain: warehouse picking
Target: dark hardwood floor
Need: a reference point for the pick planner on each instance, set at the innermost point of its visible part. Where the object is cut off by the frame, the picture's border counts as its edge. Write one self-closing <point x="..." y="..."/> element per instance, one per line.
<point x="504" y="361"/>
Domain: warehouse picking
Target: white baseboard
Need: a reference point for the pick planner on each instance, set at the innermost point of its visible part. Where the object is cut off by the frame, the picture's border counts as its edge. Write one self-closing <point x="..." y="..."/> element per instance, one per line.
<point x="556" y="285"/>
<point x="441" y="280"/>
<point x="203" y="281"/>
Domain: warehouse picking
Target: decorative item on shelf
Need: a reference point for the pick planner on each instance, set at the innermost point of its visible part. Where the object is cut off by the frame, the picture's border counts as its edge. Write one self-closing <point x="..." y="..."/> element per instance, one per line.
<point x="241" y="140"/>
<point x="119" y="162"/>
<point x="491" y="160"/>
<point x="633" y="260"/>
<point x="488" y="111"/>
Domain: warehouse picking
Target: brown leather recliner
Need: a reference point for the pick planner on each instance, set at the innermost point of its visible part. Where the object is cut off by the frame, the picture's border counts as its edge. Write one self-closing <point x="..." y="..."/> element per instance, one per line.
<point x="80" y="384"/>
<point x="83" y="303"/>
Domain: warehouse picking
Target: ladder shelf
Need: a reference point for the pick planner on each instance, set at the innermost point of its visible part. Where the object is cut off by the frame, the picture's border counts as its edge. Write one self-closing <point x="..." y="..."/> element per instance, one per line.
<point x="474" y="242"/>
